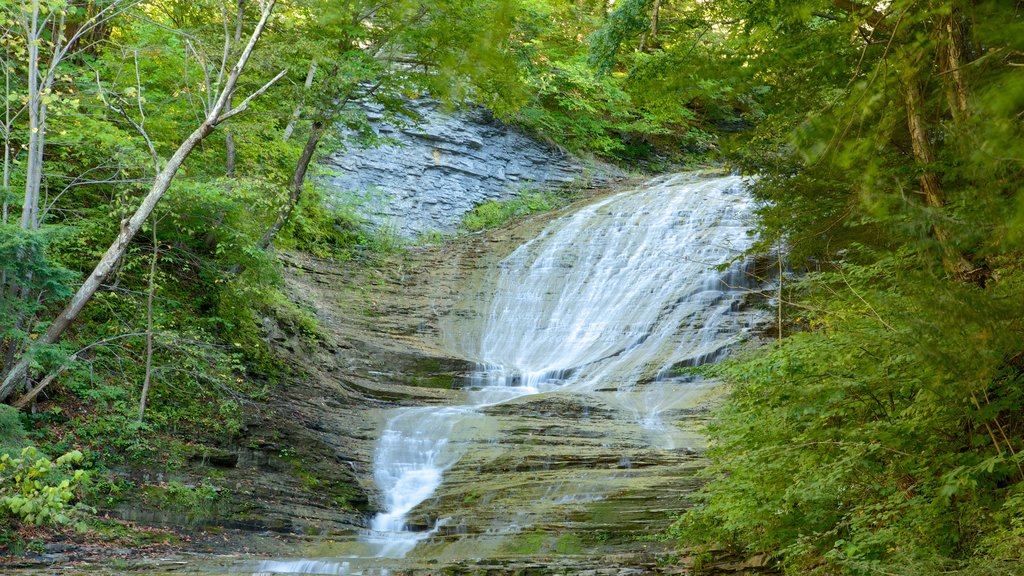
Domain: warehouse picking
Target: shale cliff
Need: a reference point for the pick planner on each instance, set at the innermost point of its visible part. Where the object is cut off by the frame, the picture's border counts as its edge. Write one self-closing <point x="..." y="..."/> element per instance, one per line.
<point x="424" y="176"/>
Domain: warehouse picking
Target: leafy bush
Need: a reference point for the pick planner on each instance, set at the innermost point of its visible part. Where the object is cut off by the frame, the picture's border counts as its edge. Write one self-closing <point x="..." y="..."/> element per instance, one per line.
<point x="886" y="437"/>
<point x="38" y="491"/>
<point x="492" y="213"/>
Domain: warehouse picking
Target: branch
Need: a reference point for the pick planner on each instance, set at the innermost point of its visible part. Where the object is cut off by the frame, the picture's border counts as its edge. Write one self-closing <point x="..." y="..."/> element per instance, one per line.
<point x="201" y="59"/>
<point x="236" y="70"/>
<point x="29" y="396"/>
<point x="139" y="126"/>
<point x="131" y="226"/>
<point x="245" y="103"/>
<point x="112" y="10"/>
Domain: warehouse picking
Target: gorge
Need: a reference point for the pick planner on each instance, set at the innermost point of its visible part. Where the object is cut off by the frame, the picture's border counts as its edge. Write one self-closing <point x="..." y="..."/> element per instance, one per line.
<point x="483" y="287"/>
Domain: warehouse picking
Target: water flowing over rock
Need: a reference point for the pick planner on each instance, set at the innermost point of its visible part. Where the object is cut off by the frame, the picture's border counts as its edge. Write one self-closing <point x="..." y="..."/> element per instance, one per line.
<point x="576" y="433"/>
<point x="432" y="173"/>
<point x="605" y="302"/>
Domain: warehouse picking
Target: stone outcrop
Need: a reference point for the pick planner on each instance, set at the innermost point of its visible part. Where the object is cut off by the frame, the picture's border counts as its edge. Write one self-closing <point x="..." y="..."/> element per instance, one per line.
<point x="428" y="174"/>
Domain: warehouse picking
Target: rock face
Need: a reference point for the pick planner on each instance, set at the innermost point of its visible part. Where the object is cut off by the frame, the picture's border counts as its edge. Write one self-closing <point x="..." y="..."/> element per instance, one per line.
<point x="433" y="172"/>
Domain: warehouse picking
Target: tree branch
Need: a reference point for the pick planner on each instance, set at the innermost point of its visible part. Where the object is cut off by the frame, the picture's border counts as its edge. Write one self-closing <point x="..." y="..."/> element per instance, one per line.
<point x="131" y="226"/>
<point x="245" y="103"/>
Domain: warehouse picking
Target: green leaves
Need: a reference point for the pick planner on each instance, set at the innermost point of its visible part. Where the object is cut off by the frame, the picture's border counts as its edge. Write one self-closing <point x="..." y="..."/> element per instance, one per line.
<point x="492" y="213"/>
<point x="35" y="490"/>
<point x="627" y="19"/>
<point x="885" y="435"/>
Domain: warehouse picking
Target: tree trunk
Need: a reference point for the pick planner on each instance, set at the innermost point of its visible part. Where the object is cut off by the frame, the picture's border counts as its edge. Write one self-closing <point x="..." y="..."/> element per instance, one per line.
<point x="7" y="155"/>
<point x="316" y="132"/>
<point x="230" y="151"/>
<point x="131" y="226"/>
<point x="36" y="110"/>
<point x="951" y="60"/>
<point x="297" y="113"/>
<point x="230" y="155"/>
<point x="149" y="325"/>
<point x="954" y="262"/>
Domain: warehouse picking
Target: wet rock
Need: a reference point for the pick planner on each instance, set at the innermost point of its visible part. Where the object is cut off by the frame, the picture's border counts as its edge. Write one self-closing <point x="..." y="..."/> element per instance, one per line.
<point x="216" y="457"/>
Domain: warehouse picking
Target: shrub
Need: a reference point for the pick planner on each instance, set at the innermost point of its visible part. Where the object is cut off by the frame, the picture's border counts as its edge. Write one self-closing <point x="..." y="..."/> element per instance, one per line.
<point x="38" y="491"/>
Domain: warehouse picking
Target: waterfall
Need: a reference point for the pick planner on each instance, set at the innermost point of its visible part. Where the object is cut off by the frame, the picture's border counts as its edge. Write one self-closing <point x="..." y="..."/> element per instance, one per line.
<point x="615" y="296"/>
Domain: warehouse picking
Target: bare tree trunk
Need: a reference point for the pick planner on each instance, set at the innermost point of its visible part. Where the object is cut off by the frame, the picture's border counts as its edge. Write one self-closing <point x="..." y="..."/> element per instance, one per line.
<point x="6" y="190"/>
<point x="149" y="325"/>
<point x="230" y="150"/>
<point x="40" y="81"/>
<point x="781" y="280"/>
<point x="316" y="132"/>
<point x="131" y="226"/>
<point x="7" y="153"/>
<point x="655" y="13"/>
<point x="954" y="262"/>
<point x="297" y="113"/>
<point x="951" y="60"/>
<point x="40" y="84"/>
<point x="36" y="124"/>
<point x="33" y="175"/>
<point x="29" y="396"/>
<point x="230" y="155"/>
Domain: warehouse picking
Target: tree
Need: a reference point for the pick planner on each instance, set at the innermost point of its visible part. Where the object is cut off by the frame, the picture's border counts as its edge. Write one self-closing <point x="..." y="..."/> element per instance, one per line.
<point x="217" y="114"/>
<point x="367" y="53"/>
<point x="881" y="434"/>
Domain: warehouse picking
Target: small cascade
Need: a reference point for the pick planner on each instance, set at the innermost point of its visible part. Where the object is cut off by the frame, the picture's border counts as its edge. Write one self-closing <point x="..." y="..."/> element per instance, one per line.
<point x="418" y="445"/>
<point x="614" y="297"/>
<point x="318" y="567"/>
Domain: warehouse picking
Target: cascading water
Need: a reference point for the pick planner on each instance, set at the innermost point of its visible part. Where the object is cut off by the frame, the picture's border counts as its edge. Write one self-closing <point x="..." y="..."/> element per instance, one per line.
<point x="612" y="297"/>
<point x="606" y="303"/>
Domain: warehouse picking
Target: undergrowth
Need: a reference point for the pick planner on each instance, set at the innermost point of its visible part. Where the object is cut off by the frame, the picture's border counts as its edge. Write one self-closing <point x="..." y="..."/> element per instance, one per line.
<point x="883" y="439"/>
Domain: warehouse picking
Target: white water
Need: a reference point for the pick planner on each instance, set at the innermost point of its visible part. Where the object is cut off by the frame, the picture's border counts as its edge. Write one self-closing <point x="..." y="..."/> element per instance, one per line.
<point x="613" y="295"/>
<point x="610" y="298"/>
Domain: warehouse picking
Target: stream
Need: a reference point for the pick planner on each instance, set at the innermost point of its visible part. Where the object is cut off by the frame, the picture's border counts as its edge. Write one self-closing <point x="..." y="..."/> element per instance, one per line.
<point x="607" y="304"/>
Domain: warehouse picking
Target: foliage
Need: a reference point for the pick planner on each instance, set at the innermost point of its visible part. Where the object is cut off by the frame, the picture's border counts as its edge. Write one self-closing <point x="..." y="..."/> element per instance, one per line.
<point x="195" y="502"/>
<point x="592" y="95"/>
<point x="492" y="213"/>
<point x="36" y="490"/>
<point x="629" y="18"/>
<point x="13" y="436"/>
<point x="124" y="97"/>
<point x="883" y="434"/>
<point x="588" y="112"/>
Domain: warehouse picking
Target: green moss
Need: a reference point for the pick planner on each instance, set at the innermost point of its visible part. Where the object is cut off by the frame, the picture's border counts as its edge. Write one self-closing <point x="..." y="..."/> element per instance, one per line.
<point x="116" y="531"/>
<point x="429" y="365"/>
<point x="569" y="543"/>
<point x="526" y="544"/>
